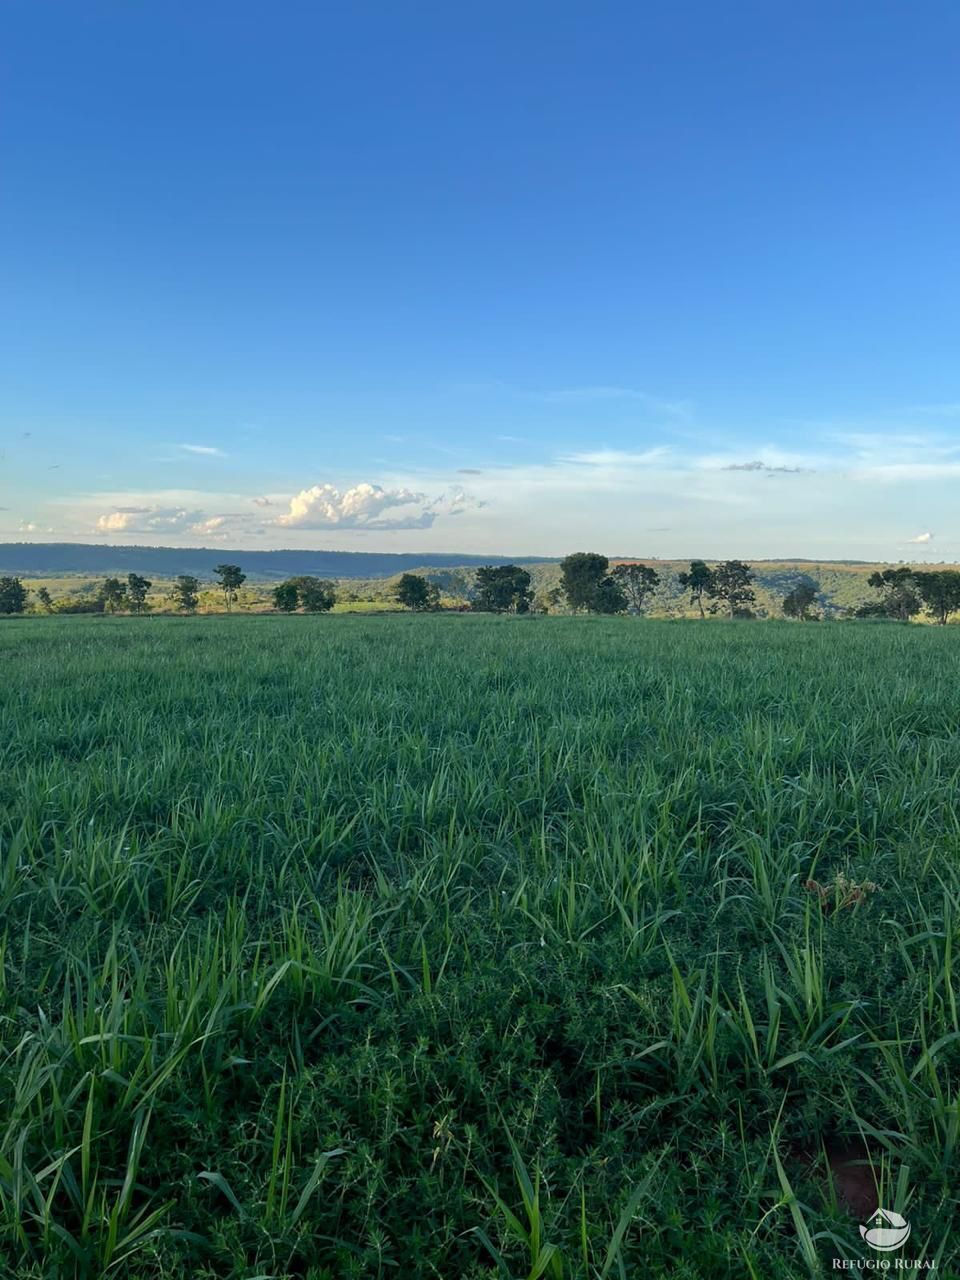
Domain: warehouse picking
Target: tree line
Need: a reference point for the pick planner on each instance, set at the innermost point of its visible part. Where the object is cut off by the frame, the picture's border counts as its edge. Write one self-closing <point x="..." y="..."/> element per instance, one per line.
<point x="587" y="585"/>
<point x="127" y="595"/>
<point x="904" y="592"/>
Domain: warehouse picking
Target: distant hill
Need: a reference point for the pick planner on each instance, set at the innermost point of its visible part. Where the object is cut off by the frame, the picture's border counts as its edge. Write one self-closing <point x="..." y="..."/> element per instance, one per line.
<point x="57" y="559"/>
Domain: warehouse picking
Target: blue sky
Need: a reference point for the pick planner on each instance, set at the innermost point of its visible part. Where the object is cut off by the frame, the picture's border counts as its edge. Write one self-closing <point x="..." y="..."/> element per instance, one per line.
<point x="675" y="279"/>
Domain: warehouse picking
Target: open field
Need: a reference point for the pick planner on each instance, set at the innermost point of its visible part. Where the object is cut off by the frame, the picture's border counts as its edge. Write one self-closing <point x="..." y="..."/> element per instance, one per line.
<point x="471" y="947"/>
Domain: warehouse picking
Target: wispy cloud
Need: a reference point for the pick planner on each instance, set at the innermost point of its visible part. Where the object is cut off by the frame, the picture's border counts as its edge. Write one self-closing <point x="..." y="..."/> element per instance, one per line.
<point x="886" y="441"/>
<point x="205" y="450"/>
<point x="922" y="538"/>
<point x="882" y="448"/>
<point x="619" y="457"/>
<point x="598" y="394"/>
<point x="592" y="394"/>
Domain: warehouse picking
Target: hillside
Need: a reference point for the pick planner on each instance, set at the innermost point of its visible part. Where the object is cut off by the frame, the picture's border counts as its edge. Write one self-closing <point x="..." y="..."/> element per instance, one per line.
<point x="59" y="559"/>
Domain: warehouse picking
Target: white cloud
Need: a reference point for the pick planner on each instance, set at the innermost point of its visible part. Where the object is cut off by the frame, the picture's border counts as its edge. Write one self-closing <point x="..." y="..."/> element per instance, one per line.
<point x="922" y="537"/>
<point x="147" y="520"/>
<point x="262" y="502"/>
<point x="207" y="450"/>
<point x="174" y="520"/>
<point x="114" y="522"/>
<point x="213" y="525"/>
<point x="365" y="506"/>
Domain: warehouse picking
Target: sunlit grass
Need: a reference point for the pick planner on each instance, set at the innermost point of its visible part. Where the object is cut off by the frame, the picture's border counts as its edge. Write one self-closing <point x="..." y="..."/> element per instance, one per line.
<point x="472" y="947"/>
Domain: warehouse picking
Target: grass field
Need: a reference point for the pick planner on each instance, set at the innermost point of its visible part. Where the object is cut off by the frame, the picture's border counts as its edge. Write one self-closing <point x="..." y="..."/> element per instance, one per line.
<point x="469" y="947"/>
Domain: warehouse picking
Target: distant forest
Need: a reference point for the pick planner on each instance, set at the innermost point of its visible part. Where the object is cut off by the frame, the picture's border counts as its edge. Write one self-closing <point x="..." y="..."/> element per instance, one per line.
<point x="60" y="559"/>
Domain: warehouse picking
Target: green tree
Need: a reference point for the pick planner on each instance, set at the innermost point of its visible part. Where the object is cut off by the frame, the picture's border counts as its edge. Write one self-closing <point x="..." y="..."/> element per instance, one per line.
<point x="13" y="595"/>
<point x="285" y="596"/>
<point x="417" y="593"/>
<point x="900" y="598"/>
<point x="609" y="596"/>
<point x="186" y="592"/>
<point x="137" y="589"/>
<point x="45" y="598"/>
<point x="502" y="588"/>
<point x="637" y="582"/>
<point x="697" y="582"/>
<point x="113" y="594"/>
<point x="798" y="602"/>
<point x="231" y="578"/>
<point x="317" y="595"/>
<point x="580" y="576"/>
<point x="940" y="592"/>
<point x="730" y="584"/>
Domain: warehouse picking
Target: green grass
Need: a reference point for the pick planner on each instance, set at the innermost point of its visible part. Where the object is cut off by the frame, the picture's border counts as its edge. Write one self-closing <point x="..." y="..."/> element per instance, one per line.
<point x="471" y="947"/>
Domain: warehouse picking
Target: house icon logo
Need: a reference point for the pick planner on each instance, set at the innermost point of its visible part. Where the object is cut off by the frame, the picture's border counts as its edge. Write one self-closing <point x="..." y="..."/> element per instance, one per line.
<point x="886" y="1231"/>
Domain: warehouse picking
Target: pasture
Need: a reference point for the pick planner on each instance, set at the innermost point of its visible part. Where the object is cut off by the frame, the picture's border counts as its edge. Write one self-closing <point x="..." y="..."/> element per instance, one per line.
<point x="472" y="947"/>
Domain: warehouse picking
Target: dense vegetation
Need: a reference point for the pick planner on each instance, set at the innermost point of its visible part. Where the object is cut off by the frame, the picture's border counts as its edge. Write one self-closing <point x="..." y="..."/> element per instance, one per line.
<point x="473" y="946"/>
